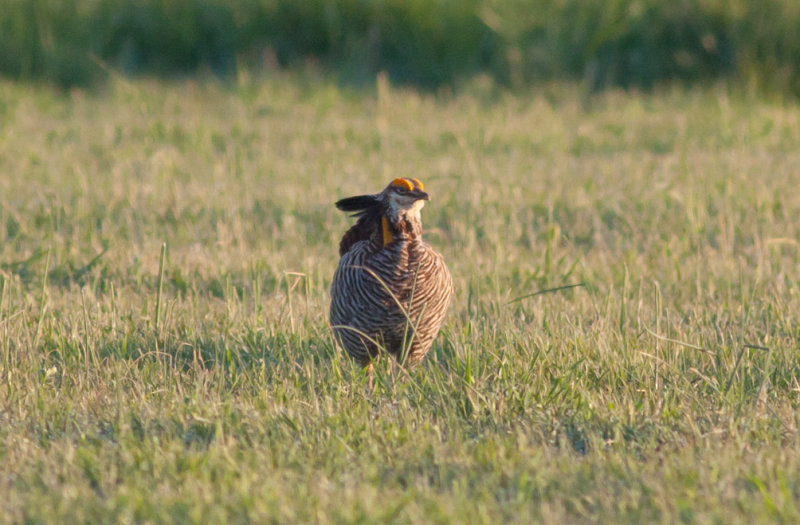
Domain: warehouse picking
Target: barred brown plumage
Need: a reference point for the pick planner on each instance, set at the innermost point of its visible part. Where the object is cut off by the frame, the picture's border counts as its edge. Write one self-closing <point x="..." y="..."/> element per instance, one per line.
<point x="391" y="290"/>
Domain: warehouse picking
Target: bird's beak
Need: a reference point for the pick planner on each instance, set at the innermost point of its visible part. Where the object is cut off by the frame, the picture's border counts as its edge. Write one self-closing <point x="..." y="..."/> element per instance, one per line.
<point x="420" y="195"/>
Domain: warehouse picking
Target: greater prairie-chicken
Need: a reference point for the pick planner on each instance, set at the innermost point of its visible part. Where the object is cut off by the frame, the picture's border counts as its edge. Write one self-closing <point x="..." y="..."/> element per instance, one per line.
<point x="391" y="289"/>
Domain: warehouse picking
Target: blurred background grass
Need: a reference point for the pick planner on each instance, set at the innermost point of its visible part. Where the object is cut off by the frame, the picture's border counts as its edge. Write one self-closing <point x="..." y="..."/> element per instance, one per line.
<point x="426" y="43"/>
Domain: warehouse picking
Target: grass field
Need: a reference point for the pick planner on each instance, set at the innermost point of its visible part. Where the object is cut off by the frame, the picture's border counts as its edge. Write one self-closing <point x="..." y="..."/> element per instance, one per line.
<point x="664" y="389"/>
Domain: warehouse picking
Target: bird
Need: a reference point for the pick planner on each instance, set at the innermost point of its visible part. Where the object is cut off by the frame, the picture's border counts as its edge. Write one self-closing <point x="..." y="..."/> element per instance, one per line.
<point x="391" y="290"/>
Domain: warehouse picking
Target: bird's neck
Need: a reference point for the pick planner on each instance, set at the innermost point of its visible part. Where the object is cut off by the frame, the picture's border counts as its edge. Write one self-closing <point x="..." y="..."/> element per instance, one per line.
<point x="404" y="226"/>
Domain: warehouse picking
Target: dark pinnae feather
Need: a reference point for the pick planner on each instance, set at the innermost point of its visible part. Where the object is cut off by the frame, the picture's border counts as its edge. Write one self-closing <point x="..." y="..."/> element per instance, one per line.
<point x="358" y="204"/>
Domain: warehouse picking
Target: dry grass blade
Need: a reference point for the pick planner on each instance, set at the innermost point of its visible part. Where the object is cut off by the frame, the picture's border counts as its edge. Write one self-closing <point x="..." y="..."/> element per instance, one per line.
<point x="677" y="342"/>
<point x="547" y="290"/>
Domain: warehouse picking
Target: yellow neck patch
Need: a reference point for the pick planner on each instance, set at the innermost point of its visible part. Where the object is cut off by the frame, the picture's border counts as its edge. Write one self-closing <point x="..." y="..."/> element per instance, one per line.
<point x="387" y="232"/>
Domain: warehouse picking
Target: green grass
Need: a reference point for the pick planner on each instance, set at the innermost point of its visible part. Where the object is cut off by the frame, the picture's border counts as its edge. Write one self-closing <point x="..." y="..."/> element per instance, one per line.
<point x="633" y="398"/>
<point x="424" y="43"/>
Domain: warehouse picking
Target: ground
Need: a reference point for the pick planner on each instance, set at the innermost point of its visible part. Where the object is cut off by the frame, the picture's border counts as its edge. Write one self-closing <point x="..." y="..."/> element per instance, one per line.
<point x="165" y="259"/>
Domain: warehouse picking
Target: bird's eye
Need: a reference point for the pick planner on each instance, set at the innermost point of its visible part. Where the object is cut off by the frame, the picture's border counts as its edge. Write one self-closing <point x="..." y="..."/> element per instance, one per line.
<point x="400" y="189"/>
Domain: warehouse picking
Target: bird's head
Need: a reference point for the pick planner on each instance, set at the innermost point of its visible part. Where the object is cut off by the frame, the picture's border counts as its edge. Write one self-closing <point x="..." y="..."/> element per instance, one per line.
<point x="404" y="197"/>
<point x="401" y="198"/>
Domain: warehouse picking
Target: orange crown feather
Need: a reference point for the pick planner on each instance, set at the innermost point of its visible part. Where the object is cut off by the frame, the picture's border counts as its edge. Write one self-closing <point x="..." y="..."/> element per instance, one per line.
<point x="403" y="183"/>
<point x="407" y="183"/>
